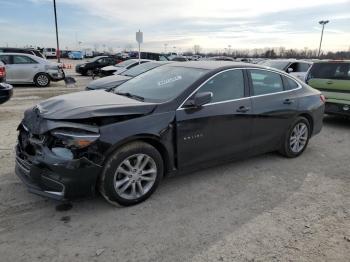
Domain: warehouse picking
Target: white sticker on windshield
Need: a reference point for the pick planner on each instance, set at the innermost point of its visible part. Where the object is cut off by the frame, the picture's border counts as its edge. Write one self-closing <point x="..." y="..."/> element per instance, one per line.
<point x="169" y="80"/>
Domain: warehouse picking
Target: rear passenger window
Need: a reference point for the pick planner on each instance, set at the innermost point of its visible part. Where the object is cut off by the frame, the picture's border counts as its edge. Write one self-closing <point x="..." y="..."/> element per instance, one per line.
<point x="17" y="59"/>
<point x="5" y="59"/>
<point x="225" y="86"/>
<point x="265" y="82"/>
<point x="290" y="84"/>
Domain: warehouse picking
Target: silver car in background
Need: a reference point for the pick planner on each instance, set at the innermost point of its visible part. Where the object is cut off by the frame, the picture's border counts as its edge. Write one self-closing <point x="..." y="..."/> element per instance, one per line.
<point x="30" y="69"/>
<point x="294" y="67"/>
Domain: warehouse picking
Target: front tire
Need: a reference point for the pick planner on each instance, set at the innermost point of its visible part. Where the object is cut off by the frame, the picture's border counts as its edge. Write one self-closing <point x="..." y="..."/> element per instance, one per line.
<point x="89" y="72"/>
<point x="296" y="138"/>
<point x="42" y="80"/>
<point x="131" y="174"/>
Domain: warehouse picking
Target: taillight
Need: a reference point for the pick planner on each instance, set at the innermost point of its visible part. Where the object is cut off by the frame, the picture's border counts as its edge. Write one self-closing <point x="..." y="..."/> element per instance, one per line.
<point x="2" y="71"/>
<point x="323" y="98"/>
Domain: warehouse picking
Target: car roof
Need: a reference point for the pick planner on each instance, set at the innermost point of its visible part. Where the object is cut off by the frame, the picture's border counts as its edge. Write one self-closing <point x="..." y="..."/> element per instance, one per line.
<point x="25" y="54"/>
<point x="212" y="65"/>
<point x="18" y="48"/>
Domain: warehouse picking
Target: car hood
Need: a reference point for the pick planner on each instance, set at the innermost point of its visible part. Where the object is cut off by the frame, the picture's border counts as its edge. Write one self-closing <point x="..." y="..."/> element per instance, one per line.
<point x="91" y="104"/>
<point x="107" y="82"/>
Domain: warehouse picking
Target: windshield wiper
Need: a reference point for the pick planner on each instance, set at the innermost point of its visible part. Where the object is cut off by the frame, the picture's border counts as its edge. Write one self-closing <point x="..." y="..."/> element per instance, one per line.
<point x="127" y="94"/>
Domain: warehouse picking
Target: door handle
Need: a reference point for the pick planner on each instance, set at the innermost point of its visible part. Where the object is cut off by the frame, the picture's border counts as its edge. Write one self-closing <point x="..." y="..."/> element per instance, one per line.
<point x="288" y="101"/>
<point x="330" y="82"/>
<point x="243" y="109"/>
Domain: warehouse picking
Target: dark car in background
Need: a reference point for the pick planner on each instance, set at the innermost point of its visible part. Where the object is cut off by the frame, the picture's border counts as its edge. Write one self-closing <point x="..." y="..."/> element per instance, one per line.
<point x="176" y="116"/>
<point x="30" y="51"/>
<point x="120" y="67"/>
<point x="179" y="59"/>
<point x="116" y="80"/>
<point x="5" y="89"/>
<point x="92" y="66"/>
<point x="332" y="78"/>
<point x="219" y="58"/>
<point x="149" y="56"/>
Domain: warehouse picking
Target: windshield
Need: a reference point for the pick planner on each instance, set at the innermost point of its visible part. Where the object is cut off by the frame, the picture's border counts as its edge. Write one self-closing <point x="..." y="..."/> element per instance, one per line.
<point x="276" y="64"/>
<point x="139" y="69"/>
<point x="162" y="83"/>
<point x="125" y="63"/>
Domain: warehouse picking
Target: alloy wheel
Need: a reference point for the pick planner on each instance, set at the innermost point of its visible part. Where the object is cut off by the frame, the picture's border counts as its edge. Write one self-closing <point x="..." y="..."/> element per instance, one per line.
<point x="298" y="137"/>
<point x="135" y="176"/>
<point x="42" y="80"/>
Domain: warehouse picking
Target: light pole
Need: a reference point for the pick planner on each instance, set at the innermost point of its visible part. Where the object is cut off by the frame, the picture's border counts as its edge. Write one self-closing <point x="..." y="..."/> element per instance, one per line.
<point x="323" y="23"/>
<point x="58" y="46"/>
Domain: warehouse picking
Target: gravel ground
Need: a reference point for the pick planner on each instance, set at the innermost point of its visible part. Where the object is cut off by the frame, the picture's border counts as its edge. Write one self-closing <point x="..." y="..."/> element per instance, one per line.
<point x="265" y="208"/>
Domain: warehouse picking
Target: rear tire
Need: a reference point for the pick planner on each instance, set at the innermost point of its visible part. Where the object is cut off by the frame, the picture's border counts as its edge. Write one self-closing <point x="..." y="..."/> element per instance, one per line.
<point x="296" y="139"/>
<point x="131" y="174"/>
<point x="42" y="80"/>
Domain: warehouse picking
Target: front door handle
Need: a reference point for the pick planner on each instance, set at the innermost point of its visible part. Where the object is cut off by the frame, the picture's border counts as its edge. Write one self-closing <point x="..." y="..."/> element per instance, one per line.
<point x="243" y="109"/>
<point x="330" y="82"/>
<point x="288" y="101"/>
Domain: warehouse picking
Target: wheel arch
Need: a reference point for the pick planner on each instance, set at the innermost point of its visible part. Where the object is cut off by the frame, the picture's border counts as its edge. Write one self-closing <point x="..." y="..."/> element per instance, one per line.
<point x="40" y="73"/>
<point x="311" y="121"/>
<point x="149" y="139"/>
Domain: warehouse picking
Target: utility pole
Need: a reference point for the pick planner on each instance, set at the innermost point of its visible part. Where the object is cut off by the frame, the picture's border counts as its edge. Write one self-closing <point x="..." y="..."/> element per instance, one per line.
<point x="58" y="53"/>
<point x="323" y="23"/>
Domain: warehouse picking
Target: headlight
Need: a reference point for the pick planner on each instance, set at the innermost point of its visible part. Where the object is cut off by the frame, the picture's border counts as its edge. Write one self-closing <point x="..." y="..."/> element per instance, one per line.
<point x="82" y="65"/>
<point x="76" y="139"/>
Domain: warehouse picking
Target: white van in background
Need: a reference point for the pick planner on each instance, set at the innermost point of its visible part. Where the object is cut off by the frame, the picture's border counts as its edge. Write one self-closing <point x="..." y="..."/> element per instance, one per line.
<point x="88" y="53"/>
<point x="49" y="52"/>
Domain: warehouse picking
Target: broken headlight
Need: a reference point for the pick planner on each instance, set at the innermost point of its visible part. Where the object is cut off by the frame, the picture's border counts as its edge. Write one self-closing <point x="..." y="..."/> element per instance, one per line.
<point x="75" y="138"/>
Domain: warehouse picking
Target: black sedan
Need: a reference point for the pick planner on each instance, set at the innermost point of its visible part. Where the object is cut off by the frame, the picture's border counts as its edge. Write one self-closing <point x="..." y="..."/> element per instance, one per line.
<point x="174" y="117"/>
<point x="91" y="67"/>
<point x="116" y="80"/>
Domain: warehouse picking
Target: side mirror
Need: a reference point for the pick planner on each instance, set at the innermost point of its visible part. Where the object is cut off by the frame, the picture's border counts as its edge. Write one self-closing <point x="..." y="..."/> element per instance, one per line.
<point x="290" y="70"/>
<point x="199" y="99"/>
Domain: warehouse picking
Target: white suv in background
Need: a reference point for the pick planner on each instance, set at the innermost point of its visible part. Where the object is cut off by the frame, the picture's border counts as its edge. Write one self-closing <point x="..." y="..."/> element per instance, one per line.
<point x="30" y="69"/>
<point x="49" y="52"/>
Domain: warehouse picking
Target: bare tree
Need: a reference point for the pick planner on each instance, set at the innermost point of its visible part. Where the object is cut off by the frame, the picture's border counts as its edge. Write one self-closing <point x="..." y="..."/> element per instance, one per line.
<point x="197" y="49"/>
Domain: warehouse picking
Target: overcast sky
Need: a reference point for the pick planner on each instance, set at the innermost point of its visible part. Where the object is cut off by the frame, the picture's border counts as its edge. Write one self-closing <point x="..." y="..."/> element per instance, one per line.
<point x="214" y="25"/>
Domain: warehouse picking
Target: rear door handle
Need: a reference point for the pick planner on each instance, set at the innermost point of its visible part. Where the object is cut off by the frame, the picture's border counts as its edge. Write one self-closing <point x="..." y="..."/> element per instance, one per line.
<point x="243" y="109"/>
<point x="288" y="101"/>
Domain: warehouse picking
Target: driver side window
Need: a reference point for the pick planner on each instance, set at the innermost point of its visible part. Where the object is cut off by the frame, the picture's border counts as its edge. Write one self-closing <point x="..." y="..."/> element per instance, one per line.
<point x="225" y="86"/>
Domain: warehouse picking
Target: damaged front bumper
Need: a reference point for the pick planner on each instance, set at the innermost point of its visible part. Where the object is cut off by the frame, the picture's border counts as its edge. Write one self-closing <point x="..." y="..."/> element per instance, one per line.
<point x="50" y="176"/>
<point x="56" y="75"/>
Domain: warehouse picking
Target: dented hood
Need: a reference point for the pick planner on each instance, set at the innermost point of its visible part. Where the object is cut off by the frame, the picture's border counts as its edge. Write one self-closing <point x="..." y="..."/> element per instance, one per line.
<point x="89" y="104"/>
